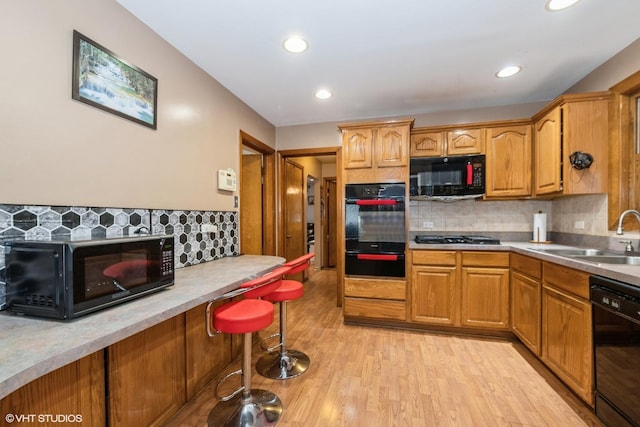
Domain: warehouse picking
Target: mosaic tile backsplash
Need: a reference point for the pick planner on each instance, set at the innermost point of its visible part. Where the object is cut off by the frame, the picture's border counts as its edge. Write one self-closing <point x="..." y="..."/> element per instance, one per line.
<point x="78" y="223"/>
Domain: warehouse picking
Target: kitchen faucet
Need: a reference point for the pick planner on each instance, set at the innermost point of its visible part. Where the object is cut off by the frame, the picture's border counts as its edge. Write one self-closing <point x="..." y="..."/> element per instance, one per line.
<point x="620" y="231"/>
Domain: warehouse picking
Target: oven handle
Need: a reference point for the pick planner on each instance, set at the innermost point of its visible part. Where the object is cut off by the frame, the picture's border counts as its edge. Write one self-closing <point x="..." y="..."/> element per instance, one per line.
<point x="377" y="257"/>
<point x="376" y="202"/>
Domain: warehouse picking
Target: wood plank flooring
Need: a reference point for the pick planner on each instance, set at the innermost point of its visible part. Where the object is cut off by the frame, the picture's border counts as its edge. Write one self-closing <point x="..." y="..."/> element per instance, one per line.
<point x="362" y="376"/>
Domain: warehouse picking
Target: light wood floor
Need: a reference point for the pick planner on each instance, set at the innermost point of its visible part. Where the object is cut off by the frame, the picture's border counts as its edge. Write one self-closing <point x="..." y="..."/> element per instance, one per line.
<point x="363" y="376"/>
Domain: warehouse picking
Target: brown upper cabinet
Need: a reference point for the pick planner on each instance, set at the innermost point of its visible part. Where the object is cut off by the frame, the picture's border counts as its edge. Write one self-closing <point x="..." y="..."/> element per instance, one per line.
<point x="571" y="124"/>
<point x="448" y="141"/>
<point x="376" y="151"/>
<point x="508" y="172"/>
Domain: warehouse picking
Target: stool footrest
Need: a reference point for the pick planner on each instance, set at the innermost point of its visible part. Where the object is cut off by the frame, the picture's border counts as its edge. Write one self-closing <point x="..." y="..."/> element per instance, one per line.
<point x="224" y="379"/>
<point x="263" y="342"/>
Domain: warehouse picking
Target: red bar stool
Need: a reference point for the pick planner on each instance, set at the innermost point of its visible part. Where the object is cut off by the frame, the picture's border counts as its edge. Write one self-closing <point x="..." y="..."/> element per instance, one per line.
<point x="285" y="363"/>
<point x="254" y="407"/>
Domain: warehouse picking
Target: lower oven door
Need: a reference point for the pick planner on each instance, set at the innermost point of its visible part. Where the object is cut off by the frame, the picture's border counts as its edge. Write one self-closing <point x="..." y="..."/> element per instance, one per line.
<point x="374" y="264"/>
<point x="616" y="339"/>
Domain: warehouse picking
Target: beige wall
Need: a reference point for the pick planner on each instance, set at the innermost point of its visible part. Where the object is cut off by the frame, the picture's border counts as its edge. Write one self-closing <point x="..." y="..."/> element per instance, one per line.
<point x="57" y="151"/>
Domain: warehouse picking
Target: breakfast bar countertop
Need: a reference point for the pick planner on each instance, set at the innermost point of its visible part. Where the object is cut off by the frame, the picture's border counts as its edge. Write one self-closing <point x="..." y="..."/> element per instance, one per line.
<point x="33" y="347"/>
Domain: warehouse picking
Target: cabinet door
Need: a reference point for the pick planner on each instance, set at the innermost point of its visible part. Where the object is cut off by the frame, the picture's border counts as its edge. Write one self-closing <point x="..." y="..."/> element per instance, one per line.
<point x="585" y="128"/>
<point x="76" y="390"/>
<point x="485" y="297"/>
<point x="433" y="295"/>
<point x="465" y="141"/>
<point x="547" y="153"/>
<point x="566" y="340"/>
<point x="509" y="161"/>
<point x="526" y="310"/>
<point x="147" y="375"/>
<point x="427" y="144"/>
<point x="357" y="145"/>
<point x="200" y="370"/>
<point x="391" y="146"/>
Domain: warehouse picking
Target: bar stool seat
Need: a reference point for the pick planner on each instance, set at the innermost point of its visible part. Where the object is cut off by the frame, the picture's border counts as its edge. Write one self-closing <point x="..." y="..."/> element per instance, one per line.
<point x="245" y="407"/>
<point x="285" y="363"/>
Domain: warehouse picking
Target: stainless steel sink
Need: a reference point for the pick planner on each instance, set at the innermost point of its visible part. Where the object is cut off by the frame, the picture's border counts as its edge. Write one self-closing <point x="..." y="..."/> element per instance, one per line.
<point x="610" y="259"/>
<point x="576" y="252"/>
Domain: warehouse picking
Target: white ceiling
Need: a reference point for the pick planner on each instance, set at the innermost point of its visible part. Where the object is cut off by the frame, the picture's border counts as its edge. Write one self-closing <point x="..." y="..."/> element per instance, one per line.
<point x="390" y="58"/>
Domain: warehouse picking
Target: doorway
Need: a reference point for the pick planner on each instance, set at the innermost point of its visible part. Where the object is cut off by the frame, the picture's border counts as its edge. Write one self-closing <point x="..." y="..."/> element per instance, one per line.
<point x="321" y="165"/>
<point x="257" y="197"/>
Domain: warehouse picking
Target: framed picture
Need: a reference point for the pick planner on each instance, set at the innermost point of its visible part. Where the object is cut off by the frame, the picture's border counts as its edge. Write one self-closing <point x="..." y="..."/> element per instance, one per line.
<point x="102" y="79"/>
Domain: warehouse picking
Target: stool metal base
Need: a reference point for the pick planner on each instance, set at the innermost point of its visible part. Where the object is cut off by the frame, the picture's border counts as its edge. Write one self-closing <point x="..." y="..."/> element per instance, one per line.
<point x="262" y="409"/>
<point x="283" y="365"/>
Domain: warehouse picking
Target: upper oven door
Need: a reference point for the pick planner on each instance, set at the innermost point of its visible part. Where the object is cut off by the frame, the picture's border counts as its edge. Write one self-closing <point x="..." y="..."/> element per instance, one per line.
<point x="375" y="218"/>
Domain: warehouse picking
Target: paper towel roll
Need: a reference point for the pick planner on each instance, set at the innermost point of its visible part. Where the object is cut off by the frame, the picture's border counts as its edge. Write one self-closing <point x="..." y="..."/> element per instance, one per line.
<point x="540" y="227"/>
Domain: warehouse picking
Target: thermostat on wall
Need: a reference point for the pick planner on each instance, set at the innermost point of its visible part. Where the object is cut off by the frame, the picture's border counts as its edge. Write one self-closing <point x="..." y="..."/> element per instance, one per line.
<point x="227" y="179"/>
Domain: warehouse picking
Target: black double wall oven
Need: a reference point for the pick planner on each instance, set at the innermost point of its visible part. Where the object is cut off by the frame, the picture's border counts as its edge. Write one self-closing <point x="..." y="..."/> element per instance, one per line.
<point x="375" y="229"/>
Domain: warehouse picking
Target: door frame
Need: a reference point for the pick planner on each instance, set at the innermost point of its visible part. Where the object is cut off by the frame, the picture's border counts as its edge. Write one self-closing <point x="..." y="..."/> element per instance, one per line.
<point x="268" y="190"/>
<point x="310" y="152"/>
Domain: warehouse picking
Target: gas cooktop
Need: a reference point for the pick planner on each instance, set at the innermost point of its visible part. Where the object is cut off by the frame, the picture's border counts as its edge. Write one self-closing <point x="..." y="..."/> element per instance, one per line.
<point x="468" y="240"/>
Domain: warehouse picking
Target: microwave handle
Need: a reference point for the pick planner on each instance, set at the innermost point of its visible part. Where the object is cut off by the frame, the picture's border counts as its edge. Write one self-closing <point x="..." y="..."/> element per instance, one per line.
<point x="469" y="173"/>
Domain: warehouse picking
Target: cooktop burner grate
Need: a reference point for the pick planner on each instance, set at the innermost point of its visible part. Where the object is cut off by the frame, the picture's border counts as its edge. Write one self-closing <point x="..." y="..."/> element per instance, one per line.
<point x="469" y="240"/>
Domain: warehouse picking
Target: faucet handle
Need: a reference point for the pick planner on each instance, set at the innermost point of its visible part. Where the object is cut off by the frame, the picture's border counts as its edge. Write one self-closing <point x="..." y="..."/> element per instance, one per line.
<point x="629" y="247"/>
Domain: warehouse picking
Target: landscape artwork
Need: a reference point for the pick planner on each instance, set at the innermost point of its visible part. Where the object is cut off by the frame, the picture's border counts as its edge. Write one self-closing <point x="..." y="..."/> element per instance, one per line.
<point x="102" y="79"/>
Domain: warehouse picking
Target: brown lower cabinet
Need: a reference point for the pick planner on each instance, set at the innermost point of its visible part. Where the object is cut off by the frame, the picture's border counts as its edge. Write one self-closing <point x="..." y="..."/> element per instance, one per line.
<point x="147" y="375"/>
<point x="75" y="391"/>
<point x="140" y="381"/>
<point x="375" y="298"/>
<point x="460" y="288"/>
<point x="526" y="295"/>
<point x="567" y="341"/>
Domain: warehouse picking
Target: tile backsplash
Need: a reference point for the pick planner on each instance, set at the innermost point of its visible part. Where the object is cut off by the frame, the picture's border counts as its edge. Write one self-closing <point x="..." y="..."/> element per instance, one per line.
<point x="79" y="223"/>
<point x="511" y="215"/>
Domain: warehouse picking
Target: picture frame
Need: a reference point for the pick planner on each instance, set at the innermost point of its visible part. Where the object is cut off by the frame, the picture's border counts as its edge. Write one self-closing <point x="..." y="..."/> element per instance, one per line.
<point x="104" y="80"/>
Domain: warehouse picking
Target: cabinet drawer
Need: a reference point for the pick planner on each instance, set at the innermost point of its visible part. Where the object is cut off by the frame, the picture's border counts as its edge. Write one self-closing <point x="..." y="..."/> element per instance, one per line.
<point x="375" y="288"/>
<point x="529" y="266"/>
<point x="434" y="257"/>
<point x="375" y="308"/>
<point x="574" y="281"/>
<point x="485" y="259"/>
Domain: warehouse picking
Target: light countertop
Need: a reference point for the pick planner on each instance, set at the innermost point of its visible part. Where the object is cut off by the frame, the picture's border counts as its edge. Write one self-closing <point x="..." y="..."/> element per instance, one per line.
<point x="33" y="347"/>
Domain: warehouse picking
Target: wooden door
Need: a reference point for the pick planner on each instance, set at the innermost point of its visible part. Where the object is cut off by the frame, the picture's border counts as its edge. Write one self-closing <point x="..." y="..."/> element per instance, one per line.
<point x="330" y="224"/>
<point x="433" y="295"/>
<point x="147" y="374"/>
<point x="294" y="215"/>
<point x="566" y="340"/>
<point x="251" y="238"/>
<point x="547" y="153"/>
<point x="391" y="149"/>
<point x="485" y="297"/>
<point x="358" y="148"/>
<point x="509" y="161"/>
<point x="465" y="141"/>
<point x="526" y="310"/>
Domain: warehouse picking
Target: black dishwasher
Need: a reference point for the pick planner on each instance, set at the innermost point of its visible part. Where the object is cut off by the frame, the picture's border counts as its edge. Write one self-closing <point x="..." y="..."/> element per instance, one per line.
<point x="616" y="340"/>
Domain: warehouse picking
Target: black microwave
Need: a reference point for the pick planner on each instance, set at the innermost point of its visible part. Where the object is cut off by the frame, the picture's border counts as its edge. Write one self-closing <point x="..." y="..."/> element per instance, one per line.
<point x="447" y="177"/>
<point x="64" y="279"/>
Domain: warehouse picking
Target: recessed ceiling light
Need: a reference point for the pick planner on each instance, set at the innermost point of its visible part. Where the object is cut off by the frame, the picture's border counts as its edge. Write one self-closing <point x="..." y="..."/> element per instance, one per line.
<point x="295" y="44"/>
<point x="323" y="94"/>
<point x="509" y="71"/>
<point x="555" y="5"/>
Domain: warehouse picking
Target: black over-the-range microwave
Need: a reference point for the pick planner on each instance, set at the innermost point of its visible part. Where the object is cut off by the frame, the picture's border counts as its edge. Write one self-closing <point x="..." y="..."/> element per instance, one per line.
<point x="64" y="279"/>
<point x="447" y="177"/>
